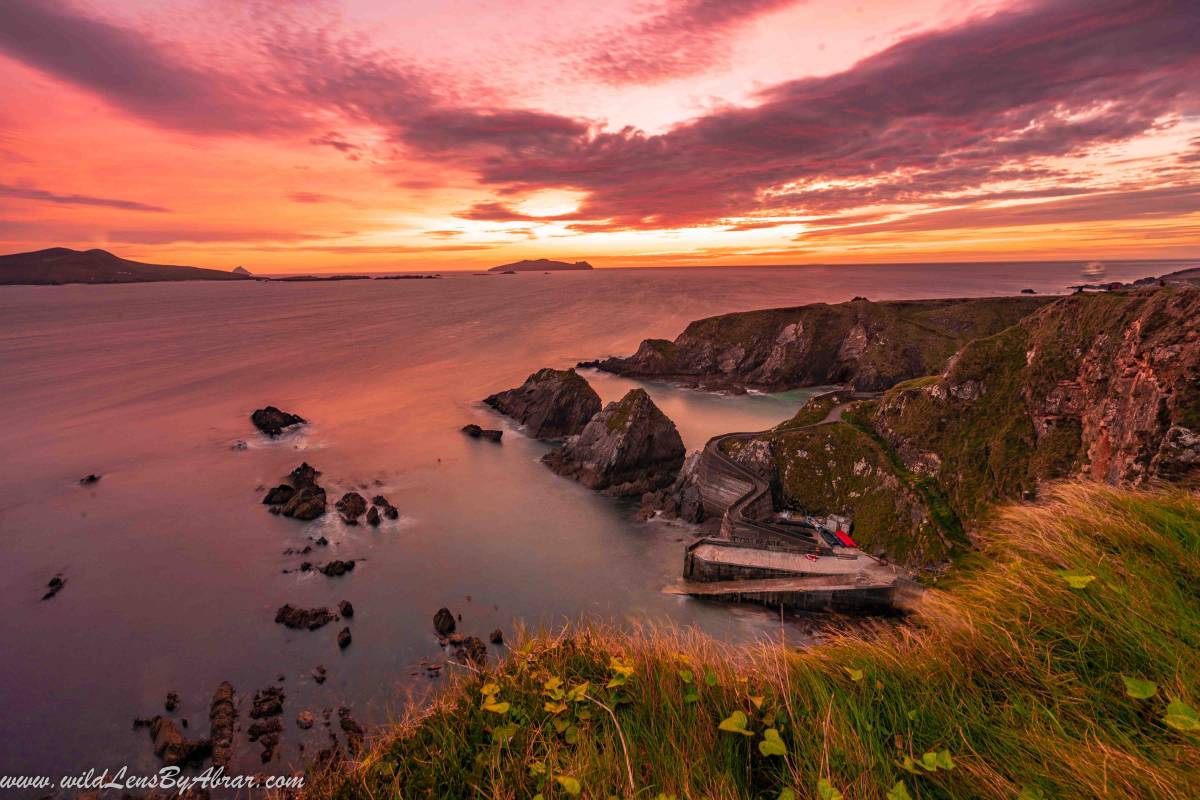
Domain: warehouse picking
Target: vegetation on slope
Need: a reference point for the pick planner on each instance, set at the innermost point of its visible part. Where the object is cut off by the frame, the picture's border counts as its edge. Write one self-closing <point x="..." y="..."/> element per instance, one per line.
<point x="1062" y="663"/>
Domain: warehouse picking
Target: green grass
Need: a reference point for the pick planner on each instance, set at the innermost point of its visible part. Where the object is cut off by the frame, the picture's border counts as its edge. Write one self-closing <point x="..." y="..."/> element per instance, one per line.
<point x="1011" y="679"/>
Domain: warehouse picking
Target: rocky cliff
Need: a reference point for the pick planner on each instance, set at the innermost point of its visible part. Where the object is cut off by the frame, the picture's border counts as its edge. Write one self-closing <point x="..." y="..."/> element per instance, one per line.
<point x="551" y="404"/>
<point x="629" y="448"/>
<point x="867" y="346"/>
<point x="1102" y="386"/>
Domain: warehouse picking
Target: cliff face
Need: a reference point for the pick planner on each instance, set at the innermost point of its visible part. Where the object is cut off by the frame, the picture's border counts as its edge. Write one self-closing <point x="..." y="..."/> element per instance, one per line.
<point x="1101" y="386"/>
<point x="629" y="448"/>
<point x="551" y="404"/>
<point x="868" y="346"/>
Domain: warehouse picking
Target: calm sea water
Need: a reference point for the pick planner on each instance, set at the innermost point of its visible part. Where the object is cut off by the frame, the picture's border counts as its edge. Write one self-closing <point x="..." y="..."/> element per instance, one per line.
<point x="173" y="567"/>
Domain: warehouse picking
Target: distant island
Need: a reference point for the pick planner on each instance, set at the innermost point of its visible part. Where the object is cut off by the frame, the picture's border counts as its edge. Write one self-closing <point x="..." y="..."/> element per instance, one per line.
<point x="59" y="265"/>
<point x="541" y="265"/>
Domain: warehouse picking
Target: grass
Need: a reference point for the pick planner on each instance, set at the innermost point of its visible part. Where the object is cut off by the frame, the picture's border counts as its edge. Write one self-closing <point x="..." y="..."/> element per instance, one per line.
<point x="1009" y="682"/>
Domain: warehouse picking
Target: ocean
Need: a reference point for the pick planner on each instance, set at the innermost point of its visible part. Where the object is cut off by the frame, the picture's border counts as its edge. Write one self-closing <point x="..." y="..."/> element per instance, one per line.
<point x="173" y="567"/>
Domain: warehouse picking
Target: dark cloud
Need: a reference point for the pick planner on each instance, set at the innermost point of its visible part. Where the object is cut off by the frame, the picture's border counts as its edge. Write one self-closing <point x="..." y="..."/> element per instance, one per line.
<point x="939" y="112"/>
<point x="44" y="196"/>
<point x="685" y="37"/>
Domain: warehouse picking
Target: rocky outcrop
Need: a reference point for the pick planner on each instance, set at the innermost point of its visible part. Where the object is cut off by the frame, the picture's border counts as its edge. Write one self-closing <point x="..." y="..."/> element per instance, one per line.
<point x="304" y="618"/>
<point x="222" y="716"/>
<point x="630" y="447"/>
<point x="301" y="498"/>
<point x="681" y="500"/>
<point x="272" y="421"/>
<point x="476" y="432"/>
<point x="443" y="622"/>
<point x="352" y="506"/>
<point x="1104" y="386"/>
<point x="551" y="404"/>
<point x="267" y="726"/>
<point x="171" y="746"/>
<point x="866" y="346"/>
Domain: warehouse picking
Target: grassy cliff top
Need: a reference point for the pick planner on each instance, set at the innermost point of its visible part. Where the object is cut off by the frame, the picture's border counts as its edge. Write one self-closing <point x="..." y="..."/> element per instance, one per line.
<point x="1062" y="662"/>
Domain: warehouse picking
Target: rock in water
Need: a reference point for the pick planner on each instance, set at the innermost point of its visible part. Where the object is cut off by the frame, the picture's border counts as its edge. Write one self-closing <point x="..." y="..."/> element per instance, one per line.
<point x="279" y="495"/>
<point x="476" y="432"/>
<point x="221" y="718"/>
<point x="474" y="650"/>
<point x="306" y="504"/>
<point x="629" y="448"/>
<point x="352" y="506"/>
<point x="305" y="720"/>
<point x="497" y="636"/>
<point x="443" y="622"/>
<point x="391" y="512"/>
<point x="344" y="638"/>
<point x="303" y="618"/>
<point x="551" y="404"/>
<point x="303" y="476"/>
<point x="272" y="421"/>
<point x="346" y="609"/>
<point x="172" y="748"/>
<point x="373" y="517"/>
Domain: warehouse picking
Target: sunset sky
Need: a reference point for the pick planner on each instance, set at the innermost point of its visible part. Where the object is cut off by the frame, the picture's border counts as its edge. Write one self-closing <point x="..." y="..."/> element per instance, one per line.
<point x="324" y="135"/>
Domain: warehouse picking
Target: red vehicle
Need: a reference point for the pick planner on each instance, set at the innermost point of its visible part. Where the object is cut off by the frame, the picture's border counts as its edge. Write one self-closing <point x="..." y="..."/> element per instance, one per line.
<point x="845" y="539"/>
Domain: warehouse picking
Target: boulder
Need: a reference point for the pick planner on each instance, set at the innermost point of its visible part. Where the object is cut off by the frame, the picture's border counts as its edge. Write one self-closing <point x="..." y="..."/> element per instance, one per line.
<point x="352" y="506"/>
<point x="304" y="618"/>
<point x="443" y="622"/>
<point x="303" y="475"/>
<point x="306" y="504"/>
<point x="337" y="568"/>
<point x="373" y="517"/>
<point x="222" y="715"/>
<point x="344" y="638"/>
<point x="346" y="609"/>
<point x="272" y="421"/>
<point x="497" y="636"/>
<point x="551" y="404"/>
<point x="380" y="501"/>
<point x="629" y="448"/>
<point x="172" y="748"/>
<point x="279" y="495"/>
<point x="476" y="432"/>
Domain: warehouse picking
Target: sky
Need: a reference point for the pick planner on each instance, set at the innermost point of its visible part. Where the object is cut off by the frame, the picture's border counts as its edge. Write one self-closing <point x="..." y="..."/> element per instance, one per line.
<point x="375" y="135"/>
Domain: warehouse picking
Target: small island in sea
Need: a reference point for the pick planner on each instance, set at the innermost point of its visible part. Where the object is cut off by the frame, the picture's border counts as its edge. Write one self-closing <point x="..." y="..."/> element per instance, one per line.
<point x="542" y="265"/>
<point x="57" y="265"/>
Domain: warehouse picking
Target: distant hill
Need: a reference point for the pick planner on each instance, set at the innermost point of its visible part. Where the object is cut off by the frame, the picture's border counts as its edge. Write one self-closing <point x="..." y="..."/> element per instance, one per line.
<point x="540" y="265"/>
<point x="64" y="265"/>
<point x="241" y="271"/>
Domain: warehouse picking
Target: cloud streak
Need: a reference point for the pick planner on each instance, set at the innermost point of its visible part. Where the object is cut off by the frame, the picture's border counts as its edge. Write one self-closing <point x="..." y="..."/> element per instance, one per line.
<point x="44" y="196"/>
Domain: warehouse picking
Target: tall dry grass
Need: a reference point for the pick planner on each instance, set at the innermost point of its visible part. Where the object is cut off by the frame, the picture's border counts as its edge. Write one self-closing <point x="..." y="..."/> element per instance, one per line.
<point x="1011" y="679"/>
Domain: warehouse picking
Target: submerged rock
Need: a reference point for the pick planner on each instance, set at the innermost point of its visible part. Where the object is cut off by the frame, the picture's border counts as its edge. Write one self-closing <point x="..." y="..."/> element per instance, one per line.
<point x="172" y="701"/>
<point x="173" y="748"/>
<point x="337" y="568"/>
<point x="443" y="622"/>
<point x="54" y="586"/>
<point x="272" y="421"/>
<point x="304" y="618"/>
<point x="222" y="715"/>
<point x="319" y="674"/>
<point x="476" y="432"/>
<point x="88" y="480"/>
<point x="551" y="404"/>
<point x="629" y="448"/>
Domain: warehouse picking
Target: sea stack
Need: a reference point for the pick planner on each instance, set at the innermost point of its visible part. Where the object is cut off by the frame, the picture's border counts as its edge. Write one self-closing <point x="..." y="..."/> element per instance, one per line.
<point x="629" y="448"/>
<point x="551" y="404"/>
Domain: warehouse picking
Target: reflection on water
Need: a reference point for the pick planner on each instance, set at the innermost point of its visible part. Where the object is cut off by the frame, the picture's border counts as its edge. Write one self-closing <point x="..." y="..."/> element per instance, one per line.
<point x="173" y="567"/>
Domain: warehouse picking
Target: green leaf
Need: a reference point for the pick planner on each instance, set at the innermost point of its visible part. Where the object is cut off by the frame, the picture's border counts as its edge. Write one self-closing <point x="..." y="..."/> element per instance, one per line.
<point x="772" y="744"/>
<point x="856" y="675"/>
<point x="757" y="699"/>
<point x="944" y="760"/>
<point x="1181" y="716"/>
<point x="736" y="723"/>
<point x="690" y="696"/>
<point x="786" y="794"/>
<point x="537" y="768"/>
<point x="503" y="733"/>
<point x="1076" y="579"/>
<point x="555" y="708"/>
<point x="899" y="792"/>
<point x="571" y="734"/>
<point x="909" y="765"/>
<point x="569" y="784"/>
<point x="489" y="689"/>
<point x="578" y="693"/>
<point x="560" y="725"/>
<point x="686" y="675"/>
<point x="826" y="791"/>
<point x="1139" y="689"/>
<point x="496" y="708"/>
<point x="710" y="677"/>
<point x="1031" y="793"/>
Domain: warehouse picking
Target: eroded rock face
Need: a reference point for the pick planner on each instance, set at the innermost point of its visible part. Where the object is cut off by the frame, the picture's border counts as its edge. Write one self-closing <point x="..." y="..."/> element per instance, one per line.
<point x="1103" y="386"/>
<point x="352" y="506"/>
<point x="867" y="346"/>
<point x="443" y="622"/>
<point x="630" y="447"/>
<point x="551" y="404"/>
<point x="681" y="500"/>
<point x="272" y="421"/>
